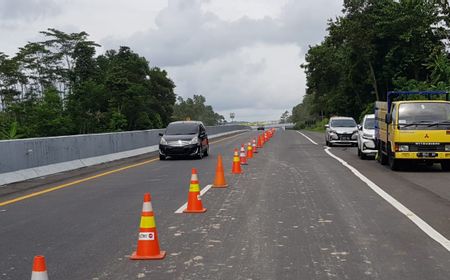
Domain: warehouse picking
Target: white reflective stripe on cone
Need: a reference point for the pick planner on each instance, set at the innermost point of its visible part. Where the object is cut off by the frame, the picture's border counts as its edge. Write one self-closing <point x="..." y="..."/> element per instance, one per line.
<point x="41" y="275"/>
<point x="147" y="207"/>
<point x="194" y="177"/>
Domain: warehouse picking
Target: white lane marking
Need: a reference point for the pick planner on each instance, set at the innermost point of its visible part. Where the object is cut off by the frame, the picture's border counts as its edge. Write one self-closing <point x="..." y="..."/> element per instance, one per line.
<point x="310" y="140"/>
<point x="202" y="192"/>
<point x="431" y="232"/>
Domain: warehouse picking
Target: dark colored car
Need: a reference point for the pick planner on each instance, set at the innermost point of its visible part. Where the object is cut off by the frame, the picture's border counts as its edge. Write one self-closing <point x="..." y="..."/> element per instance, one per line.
<point x="184" y="138"/>
<point x="260" y="128"/>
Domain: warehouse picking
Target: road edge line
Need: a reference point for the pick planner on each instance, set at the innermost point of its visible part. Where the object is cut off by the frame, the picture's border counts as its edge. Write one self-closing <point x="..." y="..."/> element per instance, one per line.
<point x="420" y="223"/>
<point x="310" y="140"/>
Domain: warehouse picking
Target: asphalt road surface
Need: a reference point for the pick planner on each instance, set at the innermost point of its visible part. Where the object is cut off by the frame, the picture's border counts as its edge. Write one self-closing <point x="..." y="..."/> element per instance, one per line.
<point x="295" y="213"/>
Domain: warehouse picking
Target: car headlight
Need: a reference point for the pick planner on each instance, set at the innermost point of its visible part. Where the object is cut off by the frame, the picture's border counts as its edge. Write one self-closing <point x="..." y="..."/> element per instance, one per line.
<point x="194" y="140"/>
<point x="367" y="136"/>
<point x="447" y="148"/>
<point x="333" y="132"/>
<point x="403" y="148"/>
<point x="163" y="141"/>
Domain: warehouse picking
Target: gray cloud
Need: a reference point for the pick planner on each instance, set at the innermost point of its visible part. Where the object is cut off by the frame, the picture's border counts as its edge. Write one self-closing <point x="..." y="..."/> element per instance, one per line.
<point x="27" y="10"/>
<point x="247" y="65"/>
<point x="243" y="56"/>
<point x="186" y="34"/>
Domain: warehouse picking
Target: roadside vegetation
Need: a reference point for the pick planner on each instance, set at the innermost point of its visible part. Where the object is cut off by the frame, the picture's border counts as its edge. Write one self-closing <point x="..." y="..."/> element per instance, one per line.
<point x="376" y="46"/>
<point x="60" y="86"/>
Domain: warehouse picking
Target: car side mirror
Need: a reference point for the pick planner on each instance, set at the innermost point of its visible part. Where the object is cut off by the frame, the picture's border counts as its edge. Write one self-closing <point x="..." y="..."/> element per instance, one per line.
<point x="359" y="127"/>
<point x="160" y="134"/>
<point x="388" y="118"/>
<point x="327" y="126"/>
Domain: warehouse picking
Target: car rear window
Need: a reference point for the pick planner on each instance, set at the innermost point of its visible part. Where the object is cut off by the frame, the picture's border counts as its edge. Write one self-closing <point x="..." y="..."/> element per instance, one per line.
<point x="369" y="123"/>
<point x="182" y="129"/>
<point x="343" y="123"/>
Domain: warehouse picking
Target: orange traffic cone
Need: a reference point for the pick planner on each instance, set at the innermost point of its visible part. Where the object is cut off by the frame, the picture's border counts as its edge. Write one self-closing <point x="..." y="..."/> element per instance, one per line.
<point x="219" y="180"/>
<point x="194" y="201"/>
<point x="39" y="271"/>
<point x="255" y="148"/>
<point x="148" y="244"/>
<point x="249" y="150"/>
<point x="236" y="169"/>
<point x="259" y="143"/>
<point x="243" y="156"/>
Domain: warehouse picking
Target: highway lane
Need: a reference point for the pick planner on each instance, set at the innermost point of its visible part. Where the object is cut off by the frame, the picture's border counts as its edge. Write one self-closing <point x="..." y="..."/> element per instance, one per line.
<point x="423" y="189"/>
<point x="295" y="213"/>
<point x="83" y="228"/>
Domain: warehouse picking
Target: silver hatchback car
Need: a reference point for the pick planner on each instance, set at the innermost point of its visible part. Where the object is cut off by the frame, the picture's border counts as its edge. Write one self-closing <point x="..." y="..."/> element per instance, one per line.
<point x="341" y="131"/>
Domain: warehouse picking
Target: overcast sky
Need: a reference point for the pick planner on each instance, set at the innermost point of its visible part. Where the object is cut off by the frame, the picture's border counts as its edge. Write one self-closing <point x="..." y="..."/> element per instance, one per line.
<point x="242" y="55"/>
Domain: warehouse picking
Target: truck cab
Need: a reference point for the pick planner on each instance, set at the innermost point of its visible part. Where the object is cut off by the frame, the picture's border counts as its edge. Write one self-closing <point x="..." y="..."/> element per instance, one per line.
<point x="413" y="131"/>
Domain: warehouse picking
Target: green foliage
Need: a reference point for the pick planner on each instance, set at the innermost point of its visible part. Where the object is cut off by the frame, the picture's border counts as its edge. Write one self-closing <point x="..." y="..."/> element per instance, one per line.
<point x="195" y="109"/>
<point x="8" y="131"/>
<point x="285" y="117"/>
<point x="375" y="47"/>
<point x="319" y="125"/>
<point x="59" y="86"/>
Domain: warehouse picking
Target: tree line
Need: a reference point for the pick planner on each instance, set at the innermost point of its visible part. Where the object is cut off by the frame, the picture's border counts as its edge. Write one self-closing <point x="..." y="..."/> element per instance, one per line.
<point x="376" y="46"/>
<point x="59" y="86"/>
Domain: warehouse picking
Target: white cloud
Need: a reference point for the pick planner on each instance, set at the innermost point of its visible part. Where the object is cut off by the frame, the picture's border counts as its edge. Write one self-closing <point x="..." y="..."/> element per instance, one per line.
<point x="254" y="9"/>
<point x="260" y="81"/>
<point x="12" y="11"/>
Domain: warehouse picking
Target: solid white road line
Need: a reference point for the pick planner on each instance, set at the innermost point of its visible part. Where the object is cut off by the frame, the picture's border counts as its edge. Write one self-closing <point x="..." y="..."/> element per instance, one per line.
<point x="431" y="232"/>
<point x="310" y="140"/>
<point x="202" y="192"/>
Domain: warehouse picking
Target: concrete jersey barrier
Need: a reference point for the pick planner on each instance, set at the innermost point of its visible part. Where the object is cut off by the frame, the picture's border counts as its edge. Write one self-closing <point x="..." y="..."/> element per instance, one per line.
<point x="26" y="159"/>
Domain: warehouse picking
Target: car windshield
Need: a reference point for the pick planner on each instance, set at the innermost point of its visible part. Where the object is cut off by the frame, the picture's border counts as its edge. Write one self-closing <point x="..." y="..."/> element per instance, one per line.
<point x="343" y="123"/>
<point x="182" y="129"/>
<point x="369" y="123"/>
<point x="432" y="115"/>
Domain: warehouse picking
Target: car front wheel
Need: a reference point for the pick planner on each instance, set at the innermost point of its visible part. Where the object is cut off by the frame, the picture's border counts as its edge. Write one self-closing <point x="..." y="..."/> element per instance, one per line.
<point x="200" y="152"/>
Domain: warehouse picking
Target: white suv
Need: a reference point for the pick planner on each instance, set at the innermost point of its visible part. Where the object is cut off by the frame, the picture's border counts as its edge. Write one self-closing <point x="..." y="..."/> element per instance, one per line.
<point x="341" y="131"/>
<point x="366" y="137"/>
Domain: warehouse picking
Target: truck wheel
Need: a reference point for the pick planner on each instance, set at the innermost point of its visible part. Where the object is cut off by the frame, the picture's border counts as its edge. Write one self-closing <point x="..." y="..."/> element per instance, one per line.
<point x="445" y="165"/>
<point x="394" y="164"/>
<point x="382" y="159"/>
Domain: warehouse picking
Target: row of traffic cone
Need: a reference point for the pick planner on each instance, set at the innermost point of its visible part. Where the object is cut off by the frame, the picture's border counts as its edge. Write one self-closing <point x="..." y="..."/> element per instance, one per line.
<point x="148" y="243"/>
<point x="241" y="158"/>
<point x="148" y="248"/>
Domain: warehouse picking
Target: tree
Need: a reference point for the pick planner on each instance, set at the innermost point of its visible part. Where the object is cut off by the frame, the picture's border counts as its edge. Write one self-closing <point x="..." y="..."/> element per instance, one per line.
<point x="374" y="47"/>
<point x="195" y="109"/>
<point x="285" y="117"/>
<point x="59" y="86"/>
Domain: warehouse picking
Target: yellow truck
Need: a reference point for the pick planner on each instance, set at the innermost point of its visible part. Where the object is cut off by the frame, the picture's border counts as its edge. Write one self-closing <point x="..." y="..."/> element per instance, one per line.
<point x="413" y="131"/>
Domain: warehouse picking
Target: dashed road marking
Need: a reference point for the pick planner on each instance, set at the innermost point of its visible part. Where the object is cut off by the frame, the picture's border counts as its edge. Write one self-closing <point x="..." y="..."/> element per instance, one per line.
<point x="202" y="192"/>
